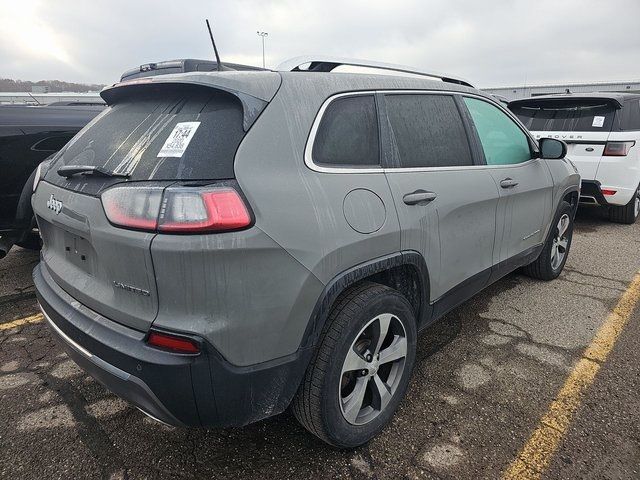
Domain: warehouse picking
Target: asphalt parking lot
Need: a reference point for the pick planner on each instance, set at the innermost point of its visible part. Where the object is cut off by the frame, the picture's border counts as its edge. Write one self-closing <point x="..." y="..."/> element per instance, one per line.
<point x="486" y="375"/>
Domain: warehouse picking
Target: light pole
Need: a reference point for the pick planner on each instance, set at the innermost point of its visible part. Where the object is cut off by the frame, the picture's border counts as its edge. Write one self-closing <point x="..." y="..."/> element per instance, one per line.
<point x="262" y="34"/>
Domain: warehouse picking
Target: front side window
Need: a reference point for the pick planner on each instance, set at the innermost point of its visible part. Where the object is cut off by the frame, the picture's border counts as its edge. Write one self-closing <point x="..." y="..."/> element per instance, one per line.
<point x="503" y="142"/>
<point x="427" y="131"/>
<point x="348" y="133"/>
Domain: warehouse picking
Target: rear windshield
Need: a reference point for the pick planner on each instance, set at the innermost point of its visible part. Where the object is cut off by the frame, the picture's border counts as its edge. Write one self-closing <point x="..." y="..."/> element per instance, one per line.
<point x="184" y="133"/>
<point x="566" y="116"/>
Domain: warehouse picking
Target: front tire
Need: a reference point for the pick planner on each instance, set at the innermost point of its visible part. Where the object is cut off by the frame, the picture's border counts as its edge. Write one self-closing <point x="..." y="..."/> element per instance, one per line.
<point x="554" y="254"/>
<point x="361" y="369"/>
<point x="627" y="214"/>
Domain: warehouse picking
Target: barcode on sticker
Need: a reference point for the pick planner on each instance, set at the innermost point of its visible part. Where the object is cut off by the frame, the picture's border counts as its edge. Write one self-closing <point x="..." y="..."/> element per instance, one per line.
<point x="598" y="122"/>
<point x="178" y="140"/>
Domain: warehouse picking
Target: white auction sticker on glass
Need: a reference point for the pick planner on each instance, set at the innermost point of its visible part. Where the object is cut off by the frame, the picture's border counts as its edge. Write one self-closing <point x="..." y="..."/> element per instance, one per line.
<point x="178" y="140"/>
<point x="598" y="122"/>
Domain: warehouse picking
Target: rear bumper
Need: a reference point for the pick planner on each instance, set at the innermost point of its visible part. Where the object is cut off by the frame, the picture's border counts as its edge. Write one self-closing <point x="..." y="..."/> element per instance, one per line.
<point x="118" y="381"/>
<point x="591" y="194"/>
<point x="181" y="390"/>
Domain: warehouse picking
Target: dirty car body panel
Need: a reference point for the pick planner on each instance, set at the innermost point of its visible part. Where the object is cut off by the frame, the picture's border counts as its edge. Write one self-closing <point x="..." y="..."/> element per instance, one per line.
<point x="251" y="301"/>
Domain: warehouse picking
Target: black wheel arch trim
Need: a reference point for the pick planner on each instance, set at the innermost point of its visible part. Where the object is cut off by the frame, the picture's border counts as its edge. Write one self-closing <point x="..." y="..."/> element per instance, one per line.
<point x="24" y="210"/>
<point x="21" y="224"/>
<point x="566" y="191"/>
<point x="359" y="272"/>
<point x="574" y="209"/>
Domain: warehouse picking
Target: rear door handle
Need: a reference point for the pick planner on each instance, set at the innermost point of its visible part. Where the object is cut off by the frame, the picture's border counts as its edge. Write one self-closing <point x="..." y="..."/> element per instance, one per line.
<point x="508" y="183"/>
<point x="419" y="197"/>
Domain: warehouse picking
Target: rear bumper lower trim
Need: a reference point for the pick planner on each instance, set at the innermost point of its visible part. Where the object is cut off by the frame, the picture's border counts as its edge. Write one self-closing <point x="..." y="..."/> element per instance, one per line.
<point x="178" y="390"/>
<point x="591" y="194"/>
<point x="65" y="337"/>
<point x="108" y="354"/>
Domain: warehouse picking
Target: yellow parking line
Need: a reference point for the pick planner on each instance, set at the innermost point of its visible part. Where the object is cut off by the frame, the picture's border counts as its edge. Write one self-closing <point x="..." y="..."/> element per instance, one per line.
<point x="536" y="455"/>
<point x="22" y="321"/>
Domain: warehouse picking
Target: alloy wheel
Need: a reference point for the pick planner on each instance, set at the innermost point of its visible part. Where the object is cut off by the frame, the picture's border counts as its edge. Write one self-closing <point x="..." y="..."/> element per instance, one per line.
<point x="372" y="369"/>
<point x="560" y="242"/>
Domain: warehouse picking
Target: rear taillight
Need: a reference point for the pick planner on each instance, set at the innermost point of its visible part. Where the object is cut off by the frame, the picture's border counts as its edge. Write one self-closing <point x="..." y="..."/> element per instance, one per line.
<point x="214" y="210"/>
<point x="176" y="209"/>
<point x="133" y="206"/>
<point x="617" y="149"/>
<point x="173" y="343"/>
<point x="608" y="191"/>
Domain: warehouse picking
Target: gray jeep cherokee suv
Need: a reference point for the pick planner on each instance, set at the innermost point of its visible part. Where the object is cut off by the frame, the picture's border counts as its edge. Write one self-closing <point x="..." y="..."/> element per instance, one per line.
<point x="219" y="246"/>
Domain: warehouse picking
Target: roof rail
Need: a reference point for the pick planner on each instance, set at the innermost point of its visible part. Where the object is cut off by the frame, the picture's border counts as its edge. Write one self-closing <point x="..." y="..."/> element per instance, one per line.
<point x="323" y="63"/>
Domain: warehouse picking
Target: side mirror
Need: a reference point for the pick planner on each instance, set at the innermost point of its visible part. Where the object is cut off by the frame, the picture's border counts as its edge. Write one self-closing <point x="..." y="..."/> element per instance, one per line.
<point x="552" y="149"/>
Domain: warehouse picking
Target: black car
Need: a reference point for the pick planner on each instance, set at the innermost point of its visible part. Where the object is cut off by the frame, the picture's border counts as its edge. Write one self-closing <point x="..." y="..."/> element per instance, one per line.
<point x="28" y="135"/>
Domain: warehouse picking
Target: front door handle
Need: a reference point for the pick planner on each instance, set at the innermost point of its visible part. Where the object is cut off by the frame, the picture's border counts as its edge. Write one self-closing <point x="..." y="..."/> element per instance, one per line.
<point x="419" y="197"/>
<point x="508" y="183"/>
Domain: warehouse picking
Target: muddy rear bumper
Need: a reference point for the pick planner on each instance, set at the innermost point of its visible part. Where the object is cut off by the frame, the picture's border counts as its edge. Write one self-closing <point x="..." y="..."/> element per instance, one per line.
<point x="181" y="390"/>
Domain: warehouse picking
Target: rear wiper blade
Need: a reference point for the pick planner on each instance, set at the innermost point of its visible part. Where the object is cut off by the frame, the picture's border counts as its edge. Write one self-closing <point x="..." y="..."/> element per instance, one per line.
<point x="69" y="171"/>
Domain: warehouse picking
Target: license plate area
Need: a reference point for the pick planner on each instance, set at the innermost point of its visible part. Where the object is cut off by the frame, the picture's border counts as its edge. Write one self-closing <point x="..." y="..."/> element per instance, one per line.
<point x="78" y="251"/>
<point x="585" y="150"/>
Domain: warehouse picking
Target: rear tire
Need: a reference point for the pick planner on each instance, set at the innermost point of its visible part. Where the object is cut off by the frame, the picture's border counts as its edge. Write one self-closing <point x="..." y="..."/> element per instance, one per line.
<point x="627" y="214"/>
<point x="354" y="382"/>
<point x="554" y="254"/>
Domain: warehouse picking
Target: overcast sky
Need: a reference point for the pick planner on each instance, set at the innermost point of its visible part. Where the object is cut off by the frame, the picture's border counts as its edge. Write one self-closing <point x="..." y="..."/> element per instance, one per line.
<point x="490" y="43"/>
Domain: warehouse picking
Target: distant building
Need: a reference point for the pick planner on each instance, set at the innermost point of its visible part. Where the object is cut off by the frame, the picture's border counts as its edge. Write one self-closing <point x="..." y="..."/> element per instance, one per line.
<point x="40" y="89"/>
<point x="46" y="98"/>
<point x="525" y="91"/>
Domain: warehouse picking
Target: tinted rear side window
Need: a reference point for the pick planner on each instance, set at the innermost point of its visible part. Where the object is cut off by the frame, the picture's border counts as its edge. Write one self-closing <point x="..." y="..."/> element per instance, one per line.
<point x="566" y="116"/>
<point x="428" y="131"/>
<point x="631" y="115"/>
<point x="130" y="135"/>
<point x="348" y="133"/>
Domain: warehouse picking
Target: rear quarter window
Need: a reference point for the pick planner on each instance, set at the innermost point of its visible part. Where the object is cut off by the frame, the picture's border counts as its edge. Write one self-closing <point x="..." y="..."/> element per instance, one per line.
<point x="348" y="133"/>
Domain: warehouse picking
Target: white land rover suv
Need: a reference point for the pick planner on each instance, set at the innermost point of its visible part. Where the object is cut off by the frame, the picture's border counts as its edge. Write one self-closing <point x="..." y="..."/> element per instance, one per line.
<point x="602" y="131"/>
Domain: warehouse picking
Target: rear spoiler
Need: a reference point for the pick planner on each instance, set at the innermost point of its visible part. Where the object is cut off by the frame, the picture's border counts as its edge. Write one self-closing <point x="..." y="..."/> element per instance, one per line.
<point x="541" y="101"/>
<point x="254" y="95"/>
<point x="184" y="65"/>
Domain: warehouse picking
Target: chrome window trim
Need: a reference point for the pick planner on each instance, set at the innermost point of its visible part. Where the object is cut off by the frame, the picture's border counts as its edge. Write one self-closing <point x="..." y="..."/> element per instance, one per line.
<point x="314" y="131"/>
<point x="308" y="150"/>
